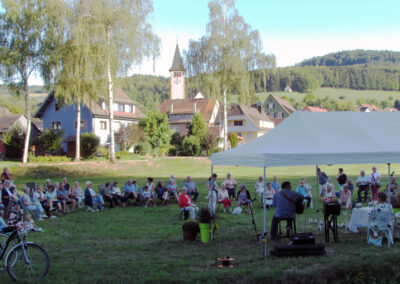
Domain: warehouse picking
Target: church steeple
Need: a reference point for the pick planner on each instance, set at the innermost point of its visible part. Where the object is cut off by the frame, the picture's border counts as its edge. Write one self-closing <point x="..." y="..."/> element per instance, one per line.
<point x="177" y="80"/>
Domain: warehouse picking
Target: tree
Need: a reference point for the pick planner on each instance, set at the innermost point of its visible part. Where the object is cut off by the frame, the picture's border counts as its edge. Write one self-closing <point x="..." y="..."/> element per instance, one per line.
<point x="78" y="78"/>
<point x="191" y="145"/>
<point x="156" y="128"/>
<point x="26" y="43"/>
<point x="126" y="37"/>
<point x="51" y="141"/>
<point x="197" y="126"/>
<point x="13" y="141"/>
<point x="90" y="143"/>
<point x="233" y="138"/>
<point x="130" y="135"/>
<point x="227" y="52"/>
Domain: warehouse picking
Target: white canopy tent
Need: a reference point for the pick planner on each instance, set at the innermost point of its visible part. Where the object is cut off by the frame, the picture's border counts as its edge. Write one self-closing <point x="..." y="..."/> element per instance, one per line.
<point x="307" y="138"/>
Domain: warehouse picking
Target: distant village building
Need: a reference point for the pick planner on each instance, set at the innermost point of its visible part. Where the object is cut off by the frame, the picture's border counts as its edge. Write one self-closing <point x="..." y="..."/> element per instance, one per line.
<point x="247" y="122"/>
<point x="276" y="107"/>
<point x="367" y="108"/>
<point x="314" y="109"/>
<point x="177" y="77"/>
<point x="94" y="118"/>
<point x="9" y="120"/>
<point x="288" y="89"/>
<point x="199" y="95"/>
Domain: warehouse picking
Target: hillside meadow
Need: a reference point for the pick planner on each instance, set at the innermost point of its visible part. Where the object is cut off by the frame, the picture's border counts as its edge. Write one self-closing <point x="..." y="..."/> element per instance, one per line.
<point x="137" y="244"/>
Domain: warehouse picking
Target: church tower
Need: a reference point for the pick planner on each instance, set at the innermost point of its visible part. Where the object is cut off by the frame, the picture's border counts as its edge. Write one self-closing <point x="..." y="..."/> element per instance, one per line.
<point x="177" y="80"/>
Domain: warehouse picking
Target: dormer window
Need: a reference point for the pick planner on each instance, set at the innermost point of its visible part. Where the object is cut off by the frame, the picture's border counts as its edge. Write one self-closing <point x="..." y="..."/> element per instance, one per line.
<point x="104" y="106"/>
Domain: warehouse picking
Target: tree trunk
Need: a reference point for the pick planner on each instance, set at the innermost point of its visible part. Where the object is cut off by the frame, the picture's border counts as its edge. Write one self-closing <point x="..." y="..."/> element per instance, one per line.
<point x="225" y="123"/>
<point x="265" y="81"/>
<point x="28" y="117"/>
<point x="110" y="106"/>
<point x="78" y="131"/>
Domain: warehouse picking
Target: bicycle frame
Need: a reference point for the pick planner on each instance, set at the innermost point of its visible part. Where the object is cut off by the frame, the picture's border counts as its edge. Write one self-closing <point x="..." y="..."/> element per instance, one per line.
<point x="14" y="235"/>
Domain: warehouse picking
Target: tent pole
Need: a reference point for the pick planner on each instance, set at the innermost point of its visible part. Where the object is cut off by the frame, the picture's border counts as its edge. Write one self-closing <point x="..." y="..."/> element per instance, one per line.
<point x="210" y="202"/>
<point x="317" y="206"/>
<point x="265" y="214"/>
<point x="389" y="194"/>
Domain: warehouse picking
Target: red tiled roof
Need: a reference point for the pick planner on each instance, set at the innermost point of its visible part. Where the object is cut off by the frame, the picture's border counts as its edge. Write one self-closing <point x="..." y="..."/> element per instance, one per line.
<point x="252" y="113"/>
<point x="315" y="109"/>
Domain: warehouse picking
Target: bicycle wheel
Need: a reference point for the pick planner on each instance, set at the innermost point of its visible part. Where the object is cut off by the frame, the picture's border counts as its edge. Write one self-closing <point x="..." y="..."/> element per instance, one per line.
<point x="30" y="269"/>
<point x="3" y="240"/>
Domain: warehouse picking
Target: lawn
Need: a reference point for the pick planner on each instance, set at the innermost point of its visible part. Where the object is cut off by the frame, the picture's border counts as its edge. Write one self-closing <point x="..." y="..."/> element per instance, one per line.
<point x="137" y="244"/>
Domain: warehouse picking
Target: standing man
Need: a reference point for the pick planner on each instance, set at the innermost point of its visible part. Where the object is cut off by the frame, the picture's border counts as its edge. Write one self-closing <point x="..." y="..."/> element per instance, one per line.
<point x="341" y="178"/>
<point x="284" y="201"/>
<point x="191" y="187"/>
<point x="322" y="180"/>
<point x="375" y="183"/>
<point x="213" y="192"/>
<point x="363" y="183"/>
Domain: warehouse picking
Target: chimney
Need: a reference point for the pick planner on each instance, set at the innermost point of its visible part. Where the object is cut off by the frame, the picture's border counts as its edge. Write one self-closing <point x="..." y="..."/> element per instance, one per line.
<point x="194" y="107"/>
<point x="171" y="109"/>
<point x="259" y="106"/>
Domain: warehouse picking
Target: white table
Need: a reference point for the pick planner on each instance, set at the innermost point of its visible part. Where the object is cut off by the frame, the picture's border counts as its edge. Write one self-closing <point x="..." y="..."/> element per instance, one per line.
<point x="359" y="218"/>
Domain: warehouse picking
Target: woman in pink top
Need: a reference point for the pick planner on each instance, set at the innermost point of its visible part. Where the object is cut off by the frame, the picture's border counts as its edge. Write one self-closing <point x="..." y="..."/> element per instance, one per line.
<point x="223" y="197"/>
<point x="345" y="197"/>
<point x="230" y="184"/>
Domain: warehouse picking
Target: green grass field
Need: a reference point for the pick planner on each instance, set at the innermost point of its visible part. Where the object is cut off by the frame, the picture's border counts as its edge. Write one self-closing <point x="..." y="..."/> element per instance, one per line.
<point x="135" y="244"/>
<point x="338" y="94"/>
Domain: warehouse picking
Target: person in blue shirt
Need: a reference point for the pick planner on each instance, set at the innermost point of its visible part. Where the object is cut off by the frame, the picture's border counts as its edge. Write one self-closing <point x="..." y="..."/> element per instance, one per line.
<point x="192" y="188"/>
<point x="285" y="209"/>
<point x="323" y="181"/>
<point x="275" y="184"/>
<point x="130" y="189"/>
<point x="303" y="190"/>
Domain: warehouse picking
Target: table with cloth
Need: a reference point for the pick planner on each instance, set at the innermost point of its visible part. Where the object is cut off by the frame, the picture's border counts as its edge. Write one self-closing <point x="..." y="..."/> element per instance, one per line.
<point x="359" y="218"/>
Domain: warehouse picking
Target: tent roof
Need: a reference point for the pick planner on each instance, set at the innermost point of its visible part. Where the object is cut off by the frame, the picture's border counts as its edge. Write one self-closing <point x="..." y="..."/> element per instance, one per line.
<point x="308" y="138"/>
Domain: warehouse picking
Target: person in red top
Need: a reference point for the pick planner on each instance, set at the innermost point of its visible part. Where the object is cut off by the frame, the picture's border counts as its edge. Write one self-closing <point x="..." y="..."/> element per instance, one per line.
<point x="186" y="203"/>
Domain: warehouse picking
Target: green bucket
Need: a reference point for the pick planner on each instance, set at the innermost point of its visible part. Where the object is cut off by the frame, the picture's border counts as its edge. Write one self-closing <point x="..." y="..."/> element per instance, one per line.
<point x="204" y="232"/>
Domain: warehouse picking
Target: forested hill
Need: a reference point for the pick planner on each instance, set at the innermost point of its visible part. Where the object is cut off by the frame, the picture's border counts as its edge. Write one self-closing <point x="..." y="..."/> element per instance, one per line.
<point x="355" y="57"/>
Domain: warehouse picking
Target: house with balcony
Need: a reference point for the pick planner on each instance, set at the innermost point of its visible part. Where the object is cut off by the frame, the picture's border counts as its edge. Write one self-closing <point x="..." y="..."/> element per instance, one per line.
<point x="276" y="107"/>
<point x="248" y="122"/>
<point x="94" y="118"/>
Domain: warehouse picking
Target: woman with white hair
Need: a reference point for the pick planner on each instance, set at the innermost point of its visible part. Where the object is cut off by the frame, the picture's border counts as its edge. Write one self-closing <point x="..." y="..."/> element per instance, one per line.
<point x="230" y="184"/>
<point x="29" y="205"/>
<point x="91" y="197"/>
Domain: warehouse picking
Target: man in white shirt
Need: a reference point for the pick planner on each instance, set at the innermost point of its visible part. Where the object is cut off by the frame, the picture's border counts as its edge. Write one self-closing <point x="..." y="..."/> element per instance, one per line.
<point x="363" y="183"/>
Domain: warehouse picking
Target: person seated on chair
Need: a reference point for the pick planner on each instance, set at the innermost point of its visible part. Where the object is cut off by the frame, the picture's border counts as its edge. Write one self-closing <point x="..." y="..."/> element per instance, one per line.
<point x="345" y="197"/>
<point x="66" y="184"/>
<point x="173" y="189"/>
<point x="116" y="191"/>
<point x="29" y="205"/>
<point x="1" y="203"/>
<point x="40" y="197"/>
<point x="92" y="197"/>
<point x="5" y="175"/>
<point x="269" y="196"/>
<point x="7" y="198"/>
<point x="243" y="196"/>
<point x="230" y="184"/>
<point x="162" y="193"/>
<point x="259" y="186"/>
<point x="330" y="194"/>
<point x="223" y="197"/>
<point x="63" y="196"/>
<point x="363" y="183"/>
<point x="284" y="201"/>
<point x="192" y="188"/>
<point x="276" y="186"/>
<point x="109" y="196"/>
<point x="150" y="184"/>
<point x="374" y="222"/>
<point x="186" y="203"/>
<point x="394" y="188"/>
<point x="46" y="185"/>
<point x="77" y="194"/>
<point x="51" y="196"/>
<point x="130" y="190"/>
<point x="172" y="178"/>
<point x="350" y="185"/>
<point x="302" y="189"/>
<point x="147" y="197"/>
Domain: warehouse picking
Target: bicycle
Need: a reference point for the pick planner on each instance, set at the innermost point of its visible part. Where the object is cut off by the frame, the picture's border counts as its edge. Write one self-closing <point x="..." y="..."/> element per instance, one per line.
<point x="25" y="261"/>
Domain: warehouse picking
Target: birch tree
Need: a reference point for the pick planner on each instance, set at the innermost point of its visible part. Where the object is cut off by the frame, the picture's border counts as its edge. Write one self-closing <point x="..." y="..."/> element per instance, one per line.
<point x="26" y="41"/>
<point x="127" y="39"/>
<point x="227" y="52"/>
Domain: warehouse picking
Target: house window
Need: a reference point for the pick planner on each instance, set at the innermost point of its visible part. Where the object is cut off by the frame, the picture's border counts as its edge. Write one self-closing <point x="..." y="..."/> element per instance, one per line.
<point x="128" y="108"/>
<point x="272" y="115"/>
<point x="120" y="107"/>
<point x="279" y="114"/>
<point x="82" y="124"/>
<point x="239" y="134"/>
<point x="238" y="123"/>
<point x="56" y="125"/>
<point x="270" y="106"/>
<point x="133" y="109"/>
<point x="103" y="125"/>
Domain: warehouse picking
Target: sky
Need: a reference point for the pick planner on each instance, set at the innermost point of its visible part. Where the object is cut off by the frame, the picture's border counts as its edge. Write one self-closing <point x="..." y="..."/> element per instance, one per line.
<point x="292" y="30"/>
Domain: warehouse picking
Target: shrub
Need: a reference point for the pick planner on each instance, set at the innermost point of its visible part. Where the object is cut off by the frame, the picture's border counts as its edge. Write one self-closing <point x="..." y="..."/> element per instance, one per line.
<point x="13" y="141"/>
<point x="233" y="138"/>
<point x="89" y="145"/>
<point x="204" y="215"/>
<point x="143" y="148"/>
<point x="191" y="145"/>
<point x="102" y="151"/>
<point x="213" y="150"/>
<point x="48" y="159"/>
<point x="51" y="141"/>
